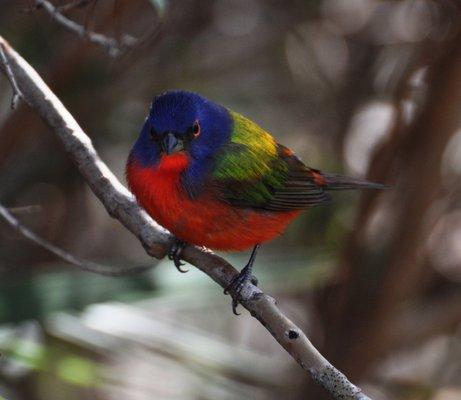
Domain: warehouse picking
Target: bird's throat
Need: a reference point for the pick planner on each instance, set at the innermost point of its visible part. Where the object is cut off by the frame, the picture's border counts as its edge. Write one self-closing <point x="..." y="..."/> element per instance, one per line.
<point x="174" y="163"/>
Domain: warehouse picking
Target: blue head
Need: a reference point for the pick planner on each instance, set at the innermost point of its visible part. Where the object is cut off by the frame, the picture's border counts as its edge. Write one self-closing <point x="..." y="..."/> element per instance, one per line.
<point x="182" y="121"/>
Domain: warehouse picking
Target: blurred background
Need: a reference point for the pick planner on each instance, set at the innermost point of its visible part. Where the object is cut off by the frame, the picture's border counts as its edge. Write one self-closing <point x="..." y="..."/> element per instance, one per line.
<point x="370" y="88"/>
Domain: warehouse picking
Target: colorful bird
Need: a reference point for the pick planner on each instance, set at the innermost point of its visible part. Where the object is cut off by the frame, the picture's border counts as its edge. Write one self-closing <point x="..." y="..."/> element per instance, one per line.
<point x="216" y="179"/>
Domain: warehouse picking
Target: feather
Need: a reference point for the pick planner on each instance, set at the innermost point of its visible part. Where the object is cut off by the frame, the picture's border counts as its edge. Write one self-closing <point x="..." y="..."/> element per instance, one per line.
<point x="339" y="182"/>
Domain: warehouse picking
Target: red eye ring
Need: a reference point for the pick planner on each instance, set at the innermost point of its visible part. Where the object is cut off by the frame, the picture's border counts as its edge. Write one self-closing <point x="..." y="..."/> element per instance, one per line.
<point x="196" y="129"/>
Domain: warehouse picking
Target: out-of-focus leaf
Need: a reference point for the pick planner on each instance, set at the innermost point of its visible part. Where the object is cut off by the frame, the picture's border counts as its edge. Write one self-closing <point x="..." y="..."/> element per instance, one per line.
<point x="26" y="353"/>
<point x="77" y="371"/>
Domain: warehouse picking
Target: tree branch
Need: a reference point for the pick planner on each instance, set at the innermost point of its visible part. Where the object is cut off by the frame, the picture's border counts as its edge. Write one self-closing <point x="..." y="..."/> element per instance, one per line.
<point x="9" y="74"/>
<point x="120" y="204"/>
<point x="87" y="266"/>
<point x="25" y="209"/>
<point x="113" y="47"/>
<point x="74" y="4"/>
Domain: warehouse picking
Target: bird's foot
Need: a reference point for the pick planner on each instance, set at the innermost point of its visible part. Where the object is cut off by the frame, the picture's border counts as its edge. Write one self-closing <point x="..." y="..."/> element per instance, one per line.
<point x="237" y="284"/>
<point x="175" y="254"/>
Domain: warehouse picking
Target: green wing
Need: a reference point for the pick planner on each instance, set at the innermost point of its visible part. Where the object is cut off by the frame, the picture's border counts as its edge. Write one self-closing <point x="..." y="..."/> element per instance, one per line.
<point x="254" y="171"/>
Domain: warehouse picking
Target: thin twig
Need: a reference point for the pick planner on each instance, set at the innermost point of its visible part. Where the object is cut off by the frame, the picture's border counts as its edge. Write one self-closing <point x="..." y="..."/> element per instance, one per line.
<point x="112" y="46"/>
<point x="73" y="4"/>
<point x="25" y="209"/>
<point x="88" y="266"/>
<point x="120" y="204"/>
<point x="88" y="16"/>
<point x="17" y="95"/>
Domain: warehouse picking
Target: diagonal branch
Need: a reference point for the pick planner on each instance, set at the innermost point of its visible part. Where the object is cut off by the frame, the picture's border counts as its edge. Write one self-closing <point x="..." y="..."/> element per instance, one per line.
<point x="71" y="259"/>
<point x="121" y="205"/>
<point x="113" y="47"/>
<point x="73" y="4"/>
<point x="25" y="209"/>
<point x="9" y="74"/>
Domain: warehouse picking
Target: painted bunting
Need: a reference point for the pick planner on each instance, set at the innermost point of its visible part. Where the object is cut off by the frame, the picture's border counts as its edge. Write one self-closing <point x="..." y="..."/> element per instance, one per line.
<point x="216" y="179"/>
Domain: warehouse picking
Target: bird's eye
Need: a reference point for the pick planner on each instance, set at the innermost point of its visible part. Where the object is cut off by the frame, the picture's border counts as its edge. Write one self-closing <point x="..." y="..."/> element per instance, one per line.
<point x="196" y="129"/>
<point x="153" y="134"/>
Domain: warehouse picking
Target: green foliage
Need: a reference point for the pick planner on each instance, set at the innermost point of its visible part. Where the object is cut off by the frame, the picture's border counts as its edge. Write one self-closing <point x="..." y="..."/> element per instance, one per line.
<point x="78" y="371"/>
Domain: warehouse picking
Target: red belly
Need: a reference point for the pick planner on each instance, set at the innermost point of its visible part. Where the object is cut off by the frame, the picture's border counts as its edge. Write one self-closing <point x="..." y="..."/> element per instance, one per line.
<point x="205" y="220"/>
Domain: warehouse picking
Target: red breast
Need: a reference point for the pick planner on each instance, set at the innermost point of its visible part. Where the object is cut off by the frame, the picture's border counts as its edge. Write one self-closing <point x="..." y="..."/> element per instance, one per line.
<point x="205" y="220"/>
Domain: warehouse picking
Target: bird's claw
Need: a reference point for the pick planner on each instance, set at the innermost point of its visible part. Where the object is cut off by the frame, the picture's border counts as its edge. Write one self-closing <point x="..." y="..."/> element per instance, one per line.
<point x="175" y="254"/>
<point x="237" y="284"/>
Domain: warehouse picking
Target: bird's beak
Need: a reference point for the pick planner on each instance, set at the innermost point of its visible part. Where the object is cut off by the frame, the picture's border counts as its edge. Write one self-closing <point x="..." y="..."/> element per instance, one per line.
<point x="171" y="143"/>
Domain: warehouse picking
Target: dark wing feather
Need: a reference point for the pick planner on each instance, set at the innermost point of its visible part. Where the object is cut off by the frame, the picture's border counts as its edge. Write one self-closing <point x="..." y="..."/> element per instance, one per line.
<point x="299" y="189"/>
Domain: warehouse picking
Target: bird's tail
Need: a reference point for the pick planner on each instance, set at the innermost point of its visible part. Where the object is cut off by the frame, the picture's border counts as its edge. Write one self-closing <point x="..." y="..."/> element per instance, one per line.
<point x="339" y="182"/>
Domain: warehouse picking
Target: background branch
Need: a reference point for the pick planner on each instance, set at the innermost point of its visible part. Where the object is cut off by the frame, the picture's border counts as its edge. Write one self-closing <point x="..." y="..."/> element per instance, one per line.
<point x="71" y="259"/>
<point x="74" y="4"/>
<point x="112" y="46"/>
<point x="121" y="205"/>
<point x="25" y="209"/>
<point x="9" y="74"/>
